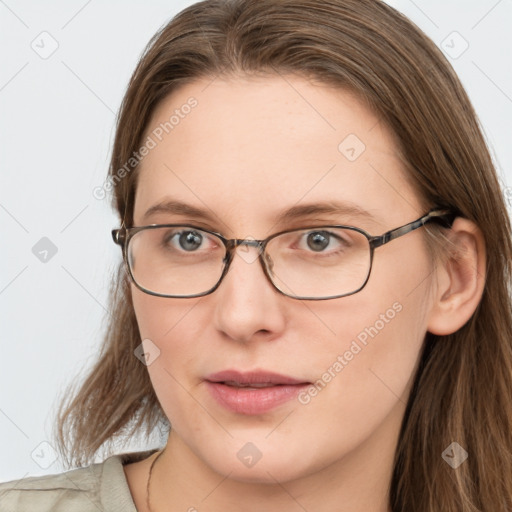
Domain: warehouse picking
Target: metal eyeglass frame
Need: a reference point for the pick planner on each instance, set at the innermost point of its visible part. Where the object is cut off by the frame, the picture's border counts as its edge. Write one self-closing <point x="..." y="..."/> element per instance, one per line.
<point x="123" y="235"/>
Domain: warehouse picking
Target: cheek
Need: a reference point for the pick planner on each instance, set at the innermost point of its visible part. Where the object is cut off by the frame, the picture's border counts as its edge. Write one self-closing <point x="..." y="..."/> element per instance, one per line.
<point x="363" y="378"/>
<point x="364" y="344"/>
<point x="160" y="318"/>
<point x="171" y="326"/>
<point x="368" y="354"/>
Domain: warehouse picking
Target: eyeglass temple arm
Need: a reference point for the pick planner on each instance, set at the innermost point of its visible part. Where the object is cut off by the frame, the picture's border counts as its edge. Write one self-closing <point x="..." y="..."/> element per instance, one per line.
<point x="443" y="217"/>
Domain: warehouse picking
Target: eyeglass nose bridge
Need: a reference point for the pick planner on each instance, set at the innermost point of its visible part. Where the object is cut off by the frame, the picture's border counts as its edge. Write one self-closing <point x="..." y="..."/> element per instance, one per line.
<point x="236" y="242"/>
<point x="233" y="243"/>
<point x="247" y="242"/>
<point x="265" y="260"/>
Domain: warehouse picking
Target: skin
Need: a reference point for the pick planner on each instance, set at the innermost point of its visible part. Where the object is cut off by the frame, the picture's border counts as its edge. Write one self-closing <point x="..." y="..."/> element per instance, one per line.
<point x="252" y="148"/>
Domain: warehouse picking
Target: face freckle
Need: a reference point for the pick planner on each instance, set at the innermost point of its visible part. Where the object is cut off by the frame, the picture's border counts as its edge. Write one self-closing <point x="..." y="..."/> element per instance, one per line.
<point x="250" y="151"/>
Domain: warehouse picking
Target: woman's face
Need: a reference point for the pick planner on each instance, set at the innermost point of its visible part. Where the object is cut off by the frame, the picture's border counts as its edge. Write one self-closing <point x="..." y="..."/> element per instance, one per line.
<point x="245" y="152"/>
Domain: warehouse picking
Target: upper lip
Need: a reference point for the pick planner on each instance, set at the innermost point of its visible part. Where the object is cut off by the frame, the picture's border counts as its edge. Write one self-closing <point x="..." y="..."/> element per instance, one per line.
<point x="252" y="377"/>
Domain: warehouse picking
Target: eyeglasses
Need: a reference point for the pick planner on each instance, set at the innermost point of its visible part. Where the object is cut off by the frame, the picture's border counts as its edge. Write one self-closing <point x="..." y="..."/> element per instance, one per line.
<point x="310" y="263"/>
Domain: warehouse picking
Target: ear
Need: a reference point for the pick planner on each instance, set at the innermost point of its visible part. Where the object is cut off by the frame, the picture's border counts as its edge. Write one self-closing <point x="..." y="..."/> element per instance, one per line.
<point x="460" y="279"/>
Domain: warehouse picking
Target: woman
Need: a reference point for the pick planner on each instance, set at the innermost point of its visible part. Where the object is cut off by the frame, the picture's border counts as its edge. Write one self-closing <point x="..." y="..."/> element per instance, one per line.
<point x="315" y="292"/>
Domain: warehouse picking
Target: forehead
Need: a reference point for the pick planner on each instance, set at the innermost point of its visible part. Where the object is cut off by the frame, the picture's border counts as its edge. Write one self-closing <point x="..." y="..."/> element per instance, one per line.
<point x="249" y="146"/>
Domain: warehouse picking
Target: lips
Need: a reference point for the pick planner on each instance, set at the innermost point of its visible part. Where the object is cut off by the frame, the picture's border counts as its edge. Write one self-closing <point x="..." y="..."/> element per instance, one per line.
<point x="252" y="393"/>
<point x="254" y="379"/>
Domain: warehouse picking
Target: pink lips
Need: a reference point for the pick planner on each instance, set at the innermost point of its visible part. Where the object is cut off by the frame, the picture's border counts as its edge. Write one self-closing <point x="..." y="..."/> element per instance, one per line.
<point x="253" y="392"/>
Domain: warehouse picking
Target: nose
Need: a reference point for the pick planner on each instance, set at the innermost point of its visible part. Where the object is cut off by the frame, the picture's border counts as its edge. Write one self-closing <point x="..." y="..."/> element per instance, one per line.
<point x="246" y="303"/>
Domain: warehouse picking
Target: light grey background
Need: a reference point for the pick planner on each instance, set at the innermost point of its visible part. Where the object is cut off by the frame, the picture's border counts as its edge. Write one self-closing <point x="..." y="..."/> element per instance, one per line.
<point x="57" y="119"/>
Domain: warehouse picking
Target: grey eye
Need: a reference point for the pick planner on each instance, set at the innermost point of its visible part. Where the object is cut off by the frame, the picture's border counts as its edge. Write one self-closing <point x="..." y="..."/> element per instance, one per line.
<point x="318" y="240"/>
<point x="190" y="240"/>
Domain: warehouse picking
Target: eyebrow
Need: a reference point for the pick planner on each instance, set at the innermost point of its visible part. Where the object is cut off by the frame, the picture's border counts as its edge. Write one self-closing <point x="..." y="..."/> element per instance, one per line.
<point x="328" y="207"/>
<point x="171" y="206"/>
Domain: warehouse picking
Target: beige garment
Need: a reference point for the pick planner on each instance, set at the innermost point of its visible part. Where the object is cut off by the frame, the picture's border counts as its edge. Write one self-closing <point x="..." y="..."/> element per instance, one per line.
<point x="100" y="487"/>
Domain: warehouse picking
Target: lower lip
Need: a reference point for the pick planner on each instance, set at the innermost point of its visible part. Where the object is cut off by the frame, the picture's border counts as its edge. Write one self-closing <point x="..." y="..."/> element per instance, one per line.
<point x="255" y="400"/>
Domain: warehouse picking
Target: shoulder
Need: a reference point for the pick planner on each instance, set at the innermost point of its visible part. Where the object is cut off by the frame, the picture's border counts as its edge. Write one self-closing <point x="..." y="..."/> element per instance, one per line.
<point x="100" y="486"/>
<point x="76" y="490"/>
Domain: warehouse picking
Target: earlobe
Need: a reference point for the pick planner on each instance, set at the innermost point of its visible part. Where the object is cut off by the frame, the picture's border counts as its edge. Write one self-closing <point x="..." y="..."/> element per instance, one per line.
<point x="460" y="279"/>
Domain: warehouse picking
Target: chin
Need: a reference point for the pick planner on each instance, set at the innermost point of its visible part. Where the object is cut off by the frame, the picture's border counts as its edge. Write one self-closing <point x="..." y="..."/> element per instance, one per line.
<point x="262" y="462"/>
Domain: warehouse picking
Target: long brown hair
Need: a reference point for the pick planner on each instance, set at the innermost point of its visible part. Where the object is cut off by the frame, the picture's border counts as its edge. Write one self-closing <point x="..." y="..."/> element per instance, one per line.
<point x="463" y="386"/>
